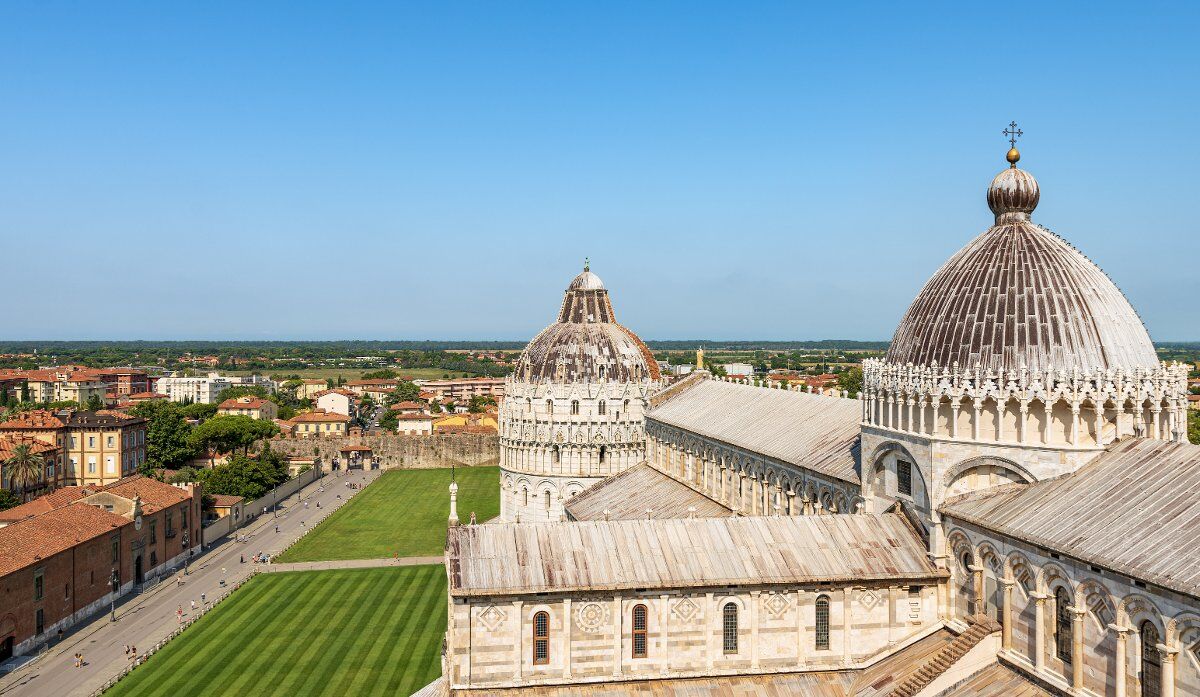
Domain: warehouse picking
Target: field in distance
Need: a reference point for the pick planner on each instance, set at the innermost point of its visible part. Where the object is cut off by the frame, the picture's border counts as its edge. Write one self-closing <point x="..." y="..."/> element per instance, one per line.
<point x="403" y="513"/>
<point x="349" y="374"/>
<point x="342" y="632"/>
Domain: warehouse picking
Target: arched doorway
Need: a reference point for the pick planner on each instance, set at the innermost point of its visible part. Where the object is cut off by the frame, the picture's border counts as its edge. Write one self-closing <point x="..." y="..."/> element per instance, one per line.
<point x="138" y="575"/>
<point x="8" y="630"/>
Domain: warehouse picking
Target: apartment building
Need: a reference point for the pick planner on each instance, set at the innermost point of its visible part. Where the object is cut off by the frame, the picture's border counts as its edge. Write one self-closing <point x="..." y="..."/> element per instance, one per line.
<point x="196" y="390"/>
<point x="249" y="405"/>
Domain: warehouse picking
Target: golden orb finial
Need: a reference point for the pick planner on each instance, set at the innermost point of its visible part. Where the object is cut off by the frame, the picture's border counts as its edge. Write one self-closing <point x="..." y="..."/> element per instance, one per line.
<point x="1012" y="133"/>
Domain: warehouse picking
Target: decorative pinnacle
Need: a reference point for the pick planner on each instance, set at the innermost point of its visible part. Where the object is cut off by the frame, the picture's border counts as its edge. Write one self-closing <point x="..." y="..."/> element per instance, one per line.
<point x="586" y="264"/>
<point x="1012" y="132"/>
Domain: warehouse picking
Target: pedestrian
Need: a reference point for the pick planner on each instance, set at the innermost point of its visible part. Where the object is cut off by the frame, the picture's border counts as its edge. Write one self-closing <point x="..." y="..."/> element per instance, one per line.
<point x="306" y="504"/>
<point x="193" y="604"/>
<point x="78" y="659"/>
<point x="126" y="647"/>
<point x="179" y="614"/>
<point x="242" y="558"/>
<point x="133" y="654"/>
<point x="318" y="504"/>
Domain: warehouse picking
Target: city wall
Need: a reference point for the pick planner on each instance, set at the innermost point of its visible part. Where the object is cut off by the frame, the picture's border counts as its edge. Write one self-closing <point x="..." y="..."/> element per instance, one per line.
<point x="394" y="451"/>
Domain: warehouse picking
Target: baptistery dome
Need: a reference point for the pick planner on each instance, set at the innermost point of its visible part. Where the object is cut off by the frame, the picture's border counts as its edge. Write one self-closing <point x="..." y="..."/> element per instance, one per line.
<point x="586" y="344"/>
<point x="1018" y="296"/>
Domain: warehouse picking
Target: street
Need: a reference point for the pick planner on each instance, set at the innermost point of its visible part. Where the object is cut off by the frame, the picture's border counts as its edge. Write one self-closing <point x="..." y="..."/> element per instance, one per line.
<point x="145" y="619"/>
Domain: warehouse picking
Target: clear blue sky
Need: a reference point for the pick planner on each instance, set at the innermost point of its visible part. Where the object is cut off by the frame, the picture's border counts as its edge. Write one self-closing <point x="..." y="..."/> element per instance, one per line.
<point x="787" y="171"/>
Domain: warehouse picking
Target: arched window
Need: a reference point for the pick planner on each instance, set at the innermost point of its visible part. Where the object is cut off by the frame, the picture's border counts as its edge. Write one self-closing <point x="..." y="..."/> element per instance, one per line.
<point x="822" y="634"/>
<point x="550" y="407"/>
<point x="729" y="628"/>
<point x="1151" y="661"/>
<point x="639" y="631"/>
<point x="528" y="405"/>
<point x="556" y="454"/>
<point x="603" y="452"/>
<point x="547" y="497"/>
<point x="1063" y="642"/>
<point x="575" y="407"/>
<point x="601" y="371"/>
<point x="525" y="494"/>
<point x="541" y="638"/>
<point x="602" y="408"/>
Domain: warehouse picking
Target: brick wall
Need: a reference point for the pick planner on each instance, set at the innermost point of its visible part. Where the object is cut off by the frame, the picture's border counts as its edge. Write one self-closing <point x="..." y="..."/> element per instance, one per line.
<point x="395" y="451"/>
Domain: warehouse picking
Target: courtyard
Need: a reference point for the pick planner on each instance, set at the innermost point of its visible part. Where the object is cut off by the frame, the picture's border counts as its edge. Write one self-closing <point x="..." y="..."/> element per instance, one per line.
<point x="339" y="632"/>
<point x="403" y="513"/>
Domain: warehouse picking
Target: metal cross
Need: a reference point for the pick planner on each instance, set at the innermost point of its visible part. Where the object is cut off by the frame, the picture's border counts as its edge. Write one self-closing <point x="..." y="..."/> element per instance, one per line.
<point x="1013" y="133"/>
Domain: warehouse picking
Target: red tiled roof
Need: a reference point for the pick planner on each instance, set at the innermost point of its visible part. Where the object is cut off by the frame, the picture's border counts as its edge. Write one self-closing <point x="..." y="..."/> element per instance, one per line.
<point x="34" y="419"/>
<point x="155" y="495"/>
<point x="225" y="500"/>
<point x="243" y="403"/>
<point x="414" y="417"/>
<point x="407" y="405"/>
<point x="146" y="395"/>
<point x="320" y="417"/>
<point x="56" y="499"/>
<point x="375" y="381"/>
<point x="343" y="392"/>
<point x="34" y="539"/>
<point x="9" y="443"/>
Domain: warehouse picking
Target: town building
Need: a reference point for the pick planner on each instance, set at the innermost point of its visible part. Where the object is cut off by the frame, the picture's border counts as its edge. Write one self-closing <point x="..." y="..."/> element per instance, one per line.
<point x="97" y="447"/>
<point x="414" y="424"/>
<point x="320" y="424"/>
<point x="309" y="388"/>
<point x="573" y="407"/>
<point x="225" y="505"/>
<point x="64" y="556"/>
<point x="193" y="390"/>
<point x="338" y="401"/>
<point x="461" y="390"/>
<point x="1009" y="507"/>
<point x="48" y="475"/>
<point x="464" y="423"/>
<point x="744" y="370"/>
<point x="249" y="405"/>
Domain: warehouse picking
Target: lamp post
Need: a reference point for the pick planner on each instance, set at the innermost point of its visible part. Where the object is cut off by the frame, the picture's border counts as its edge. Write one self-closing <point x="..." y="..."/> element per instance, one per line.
<point x="116" y="585"/>
<point x="274" y="504"/>
<point x="189" y="552"/>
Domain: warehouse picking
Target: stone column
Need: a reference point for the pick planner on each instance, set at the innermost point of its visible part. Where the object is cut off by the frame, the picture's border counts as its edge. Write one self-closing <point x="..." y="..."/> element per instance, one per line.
<point x="1122" y="657"/>
<point x="1023" y="421"/>
<point x="1006" y="615"/>
<point x="976" y="418"/>
<point x="1075" y="422"/>
<point x="1168" y="669"/>
<point x="893" y="614"/>
<point x="519" y="639"/>
<point x="847" y="623"/>
<point x="955" y="405"/>
<point x="618" y="635"/>
<point x="741" y="491"/>
<point x="664" y="616"/>
<point x="799" y="626"/>
<point x="567" y="628"/>
<point x="1049" y="425"/>
<point x="1039" y="631"/>
<point x="710" y="611"/>
<point x="1077" y="628"/>
<point x="754" y="629"/>
<point x="791" y="501"/>
<point x="977" y="605"/>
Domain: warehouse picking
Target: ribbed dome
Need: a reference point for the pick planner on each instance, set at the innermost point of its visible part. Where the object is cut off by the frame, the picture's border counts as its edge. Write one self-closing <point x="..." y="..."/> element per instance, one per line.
<point x="586" y="344"/>
<point x="1020" y="296"/>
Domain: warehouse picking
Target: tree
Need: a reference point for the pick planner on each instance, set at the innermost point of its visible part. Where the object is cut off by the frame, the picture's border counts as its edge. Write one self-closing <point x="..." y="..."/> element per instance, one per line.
<point x="228" y="432"/>
<point x="385" y="374"/>
<point x="851" y="381"/>
<point x="25" y="392"/>
<point x="247" y="477"/>
<point x="479" y="402"/>
<point x="93" y="403"/>
<point x="1194" y="425"/>
<point x="8" y="499"/>
<point x="242" y="391"/>
<point x="390" y="421"/>
<point x="186" y="475"/>
<point x="24" y="466"/>
<point x="199" y="411"/>
<point x="167" y="432"/>
<point x="407" y="392"/>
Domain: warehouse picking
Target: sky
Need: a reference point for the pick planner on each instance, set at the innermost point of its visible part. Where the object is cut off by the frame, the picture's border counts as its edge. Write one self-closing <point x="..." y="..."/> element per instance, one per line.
<point x="782" y="171"/>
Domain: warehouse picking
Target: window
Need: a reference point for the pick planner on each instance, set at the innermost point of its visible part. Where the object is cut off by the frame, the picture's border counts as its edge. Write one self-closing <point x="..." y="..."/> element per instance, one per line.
<point x="550" y="407"/>
<point x="602" y="454"/>
<point x="555" y="453"/>
<point x="116" y="547"/>
<point x="547" y="497"/>
<point x="528" y="405"/>
<point x="91" y="441"/>
<point x="1062" y="626"/>
<point x="66" y="591"/>
<point x="574" y="407"/>
<point x="525" y="492"/>
<point x="729" y="628"/>
<point x="183" y="517"/>
<point x="904" y="477"/>
<point x="639" y="631"/>
<point x="39" y="619"/>
<point x="602" y="408"/>
<point x="39" y="583"/>
<point x="153" y="531"/>
<point x="822" y="635"/>
<point x="92" y="577"/>
<point x="1151" y="661"/>
<point x="541" y="638"/>
<point x="601" y="371"/>
<point x="110" y="441"/>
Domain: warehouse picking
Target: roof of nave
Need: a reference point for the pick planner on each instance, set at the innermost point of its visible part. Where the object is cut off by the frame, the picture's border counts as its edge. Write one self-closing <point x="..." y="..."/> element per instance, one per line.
<point x="1134" y="509"/>
<point x="1020" y="296"/>
<point x="810" y="431"/>
<point x="599" y="555"/>
<point x="639" y="489"/>
<point x="586" y="344"/>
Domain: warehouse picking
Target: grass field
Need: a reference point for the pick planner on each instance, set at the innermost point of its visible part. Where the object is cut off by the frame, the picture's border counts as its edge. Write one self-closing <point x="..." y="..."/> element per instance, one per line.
<point x="404" y="512"/>
<point x="336" y="633"/>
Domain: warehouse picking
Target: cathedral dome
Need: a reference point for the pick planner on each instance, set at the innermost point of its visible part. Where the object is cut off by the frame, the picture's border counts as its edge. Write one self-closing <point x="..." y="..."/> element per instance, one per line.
<point x="1020" y="296"/>
<point x="586" y="344"/>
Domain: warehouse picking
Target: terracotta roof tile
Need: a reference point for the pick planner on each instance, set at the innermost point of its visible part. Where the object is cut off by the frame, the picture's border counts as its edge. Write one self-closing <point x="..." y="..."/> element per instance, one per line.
<point x="29" y="541"/>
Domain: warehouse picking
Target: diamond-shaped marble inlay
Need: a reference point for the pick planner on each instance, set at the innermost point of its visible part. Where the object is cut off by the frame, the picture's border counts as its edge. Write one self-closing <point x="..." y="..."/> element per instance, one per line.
<point x="686" y="610"/>
<point x="776" y="604"/>
<point x="590" y="617"/>
<point x="492" y="617"/>
<point x="869" y="599"/>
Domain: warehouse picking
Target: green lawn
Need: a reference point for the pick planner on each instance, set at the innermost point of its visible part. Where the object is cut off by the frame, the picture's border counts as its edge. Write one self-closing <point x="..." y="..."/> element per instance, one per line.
<point x="337" y="633"/>
<point x="404" y="512"/>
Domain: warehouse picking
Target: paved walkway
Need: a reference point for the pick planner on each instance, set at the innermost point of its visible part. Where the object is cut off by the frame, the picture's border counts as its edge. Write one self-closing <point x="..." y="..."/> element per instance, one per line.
<point x="352" y="564"/>
<point x="147" y="618"/>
